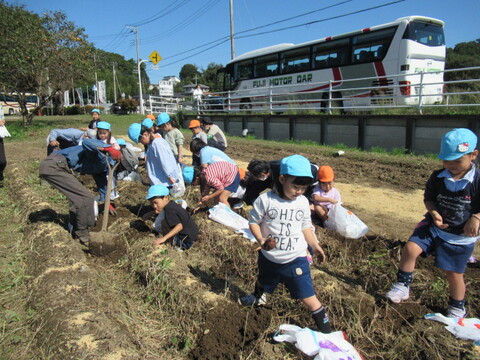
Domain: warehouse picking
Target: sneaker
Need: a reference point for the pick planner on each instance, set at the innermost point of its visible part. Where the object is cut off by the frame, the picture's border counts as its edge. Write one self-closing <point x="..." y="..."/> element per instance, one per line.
<point x="398" y="293"/>
<point x="251" y="300"/>
<point x="455" y="312"/>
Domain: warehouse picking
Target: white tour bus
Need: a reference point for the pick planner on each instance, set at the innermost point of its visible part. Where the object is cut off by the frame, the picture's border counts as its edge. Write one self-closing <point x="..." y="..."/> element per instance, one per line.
<point x="10" y="105"/>
<point x="400" y="63"/>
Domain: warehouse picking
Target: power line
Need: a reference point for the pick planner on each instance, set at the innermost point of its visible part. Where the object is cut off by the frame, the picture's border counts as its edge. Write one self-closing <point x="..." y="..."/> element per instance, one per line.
<point x="322" y="20"/>
<point x="162" y="13"/>
<point x="222" y="40"/>
<point x="294" y="17"/>
<point x="189" y="20"/>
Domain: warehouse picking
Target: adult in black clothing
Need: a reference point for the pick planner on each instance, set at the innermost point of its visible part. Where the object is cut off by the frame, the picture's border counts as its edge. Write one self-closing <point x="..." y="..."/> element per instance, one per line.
<point x="262" y="175"/>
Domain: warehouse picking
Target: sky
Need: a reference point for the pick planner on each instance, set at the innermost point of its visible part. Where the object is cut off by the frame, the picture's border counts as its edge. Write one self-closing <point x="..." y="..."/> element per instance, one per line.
<point x="197" y="31"/>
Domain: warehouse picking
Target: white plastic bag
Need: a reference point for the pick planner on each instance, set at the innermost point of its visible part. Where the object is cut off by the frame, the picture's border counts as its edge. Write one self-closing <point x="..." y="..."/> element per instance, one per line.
<point x="4" y="132"/>
<point x="222" y="214"/>
<point x="345" y="222"/>
<point x="178" y="189"/>
<point x="465" y="329"/>
<point x="331" y="346"/>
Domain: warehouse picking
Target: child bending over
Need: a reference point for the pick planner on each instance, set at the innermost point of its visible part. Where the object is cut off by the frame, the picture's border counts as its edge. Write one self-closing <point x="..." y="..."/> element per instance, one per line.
<point x="177" y="223"/>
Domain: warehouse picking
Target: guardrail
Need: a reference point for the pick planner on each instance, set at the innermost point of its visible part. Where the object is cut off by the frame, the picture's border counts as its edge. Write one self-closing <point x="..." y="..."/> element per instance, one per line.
<point x="416" y="91"/>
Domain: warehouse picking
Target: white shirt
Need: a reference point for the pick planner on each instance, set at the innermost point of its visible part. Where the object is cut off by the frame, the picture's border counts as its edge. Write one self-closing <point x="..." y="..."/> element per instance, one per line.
<point x="285" y="221"/>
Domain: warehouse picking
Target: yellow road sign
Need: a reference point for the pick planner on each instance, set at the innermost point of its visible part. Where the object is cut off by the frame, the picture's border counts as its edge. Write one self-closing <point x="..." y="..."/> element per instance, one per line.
<point x="155" y="57"/>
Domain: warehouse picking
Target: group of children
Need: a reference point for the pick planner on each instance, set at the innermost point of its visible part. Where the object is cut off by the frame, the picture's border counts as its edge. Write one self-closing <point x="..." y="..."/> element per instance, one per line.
<point x="281" y="218"/>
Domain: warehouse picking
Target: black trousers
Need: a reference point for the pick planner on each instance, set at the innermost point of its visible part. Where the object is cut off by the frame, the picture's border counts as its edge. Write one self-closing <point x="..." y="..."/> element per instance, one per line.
<point x="54" y="169"/>
<point x="3" y="159"/>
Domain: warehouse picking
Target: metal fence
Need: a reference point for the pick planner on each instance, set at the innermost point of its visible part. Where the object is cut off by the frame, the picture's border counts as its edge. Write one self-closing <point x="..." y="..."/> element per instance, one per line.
<point x="415" y="91"/>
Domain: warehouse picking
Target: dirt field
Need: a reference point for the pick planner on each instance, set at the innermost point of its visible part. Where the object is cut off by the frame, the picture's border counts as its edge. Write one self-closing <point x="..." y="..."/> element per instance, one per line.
<point x="141" y="303"/>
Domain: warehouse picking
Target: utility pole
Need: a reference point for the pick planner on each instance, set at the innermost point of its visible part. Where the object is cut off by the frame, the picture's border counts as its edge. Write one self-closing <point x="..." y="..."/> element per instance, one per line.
<point x="135" y="30"/>
<point x="95" y="93"/>
<point x="114" y="85"/>
<point x="232" y="32"/>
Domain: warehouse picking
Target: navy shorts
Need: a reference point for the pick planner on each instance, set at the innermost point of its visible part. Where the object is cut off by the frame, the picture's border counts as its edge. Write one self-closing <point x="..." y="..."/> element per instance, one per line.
<point x="295" y="275"/>
<point x="448" y="256"/>
<point x="234" y="185"/>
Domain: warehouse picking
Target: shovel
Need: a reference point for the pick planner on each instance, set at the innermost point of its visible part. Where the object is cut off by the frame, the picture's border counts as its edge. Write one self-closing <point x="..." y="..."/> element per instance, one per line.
<point x="102" y="243"/>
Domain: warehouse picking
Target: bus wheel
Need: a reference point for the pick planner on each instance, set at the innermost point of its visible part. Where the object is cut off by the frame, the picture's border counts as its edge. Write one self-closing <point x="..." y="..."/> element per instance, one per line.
<point x="10" y="112"/>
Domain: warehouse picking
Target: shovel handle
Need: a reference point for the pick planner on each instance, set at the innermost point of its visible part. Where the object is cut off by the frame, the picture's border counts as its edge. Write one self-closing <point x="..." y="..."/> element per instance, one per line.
<point x="111" y="170"/>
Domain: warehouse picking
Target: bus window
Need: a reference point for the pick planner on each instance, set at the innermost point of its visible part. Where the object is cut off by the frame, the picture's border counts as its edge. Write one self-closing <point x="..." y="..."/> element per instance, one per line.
<point x="295" y="61"/>
<point x="426" y="34"/>
<point x="371" y="46"/>
<point x="265" y="66"/>
<point x="228" y="80"/>
<point x="330" y="54"/>
<point x="243" y="70"/>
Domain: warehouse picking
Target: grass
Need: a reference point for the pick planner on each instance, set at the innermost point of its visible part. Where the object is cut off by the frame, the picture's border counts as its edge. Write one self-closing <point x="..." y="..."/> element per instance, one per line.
<point x="15" y="333"/>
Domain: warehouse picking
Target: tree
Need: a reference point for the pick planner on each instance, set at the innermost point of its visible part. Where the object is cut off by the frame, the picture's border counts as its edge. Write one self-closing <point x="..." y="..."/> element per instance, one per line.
<point x="466" y="54"/>
<point x="42" y="55"/>
<point x="210" y="78"/>
<point x="188" y="73"/>
<point x="126" y="77"/>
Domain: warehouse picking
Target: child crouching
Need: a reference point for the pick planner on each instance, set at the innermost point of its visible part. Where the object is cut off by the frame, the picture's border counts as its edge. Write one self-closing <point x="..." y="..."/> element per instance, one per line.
<point x="177" y="223"/>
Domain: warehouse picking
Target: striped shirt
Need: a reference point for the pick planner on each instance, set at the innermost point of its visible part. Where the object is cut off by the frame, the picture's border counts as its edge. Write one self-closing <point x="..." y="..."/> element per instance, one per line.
<point x="220" y="174"/>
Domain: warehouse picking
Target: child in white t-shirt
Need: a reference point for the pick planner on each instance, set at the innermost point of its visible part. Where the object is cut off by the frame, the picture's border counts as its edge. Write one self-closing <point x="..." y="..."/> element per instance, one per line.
<point x="325" y="195"/>
<point x="280" y="222"/>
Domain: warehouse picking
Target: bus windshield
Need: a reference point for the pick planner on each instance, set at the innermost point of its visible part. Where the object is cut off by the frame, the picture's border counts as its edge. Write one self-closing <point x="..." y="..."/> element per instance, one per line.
<point x="425" y="33"/>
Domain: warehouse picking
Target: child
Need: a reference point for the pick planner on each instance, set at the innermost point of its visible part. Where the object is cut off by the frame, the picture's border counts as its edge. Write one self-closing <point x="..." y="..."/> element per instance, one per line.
<point x="129" y="162"/>
<point x="280" y="222"/>
<point x="105" y="134"/>
<point x="324" y="194"/>
<point x="172" y="135"/>
<point x="450" y="227"/>
<point x="162" y="167"/>
<point x="197" y="133"/>
<point x="221" y="176"/>
<point x="95" y="119"/>
<point x="208" y="155"/>
<point x="177" y="223"/>
<point x="57" y="169"/>
<point x="215" y="135"/>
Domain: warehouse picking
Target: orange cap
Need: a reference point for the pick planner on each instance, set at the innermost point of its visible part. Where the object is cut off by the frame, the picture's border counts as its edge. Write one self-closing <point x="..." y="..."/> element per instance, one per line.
<point x="242" y="173"/>
<point x="194" y="123"/>
<point x="150" y="116"/>
<point x="325" y="174"/>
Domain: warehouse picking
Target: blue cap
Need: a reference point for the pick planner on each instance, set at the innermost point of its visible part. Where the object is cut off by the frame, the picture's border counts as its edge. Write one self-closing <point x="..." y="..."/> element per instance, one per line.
<point x="103" y="125"/>
<point x="157" y="190"/>
<point x="457" y="143"/>
<point x="134" y="131"/>
<point x="188" y="172"/>
<point x="121" y="142"/>
<point x="95" y="111"/>
<point x="296" y="165"/>
<point x="162" y="118"/>
<point x="147" y="122"/>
